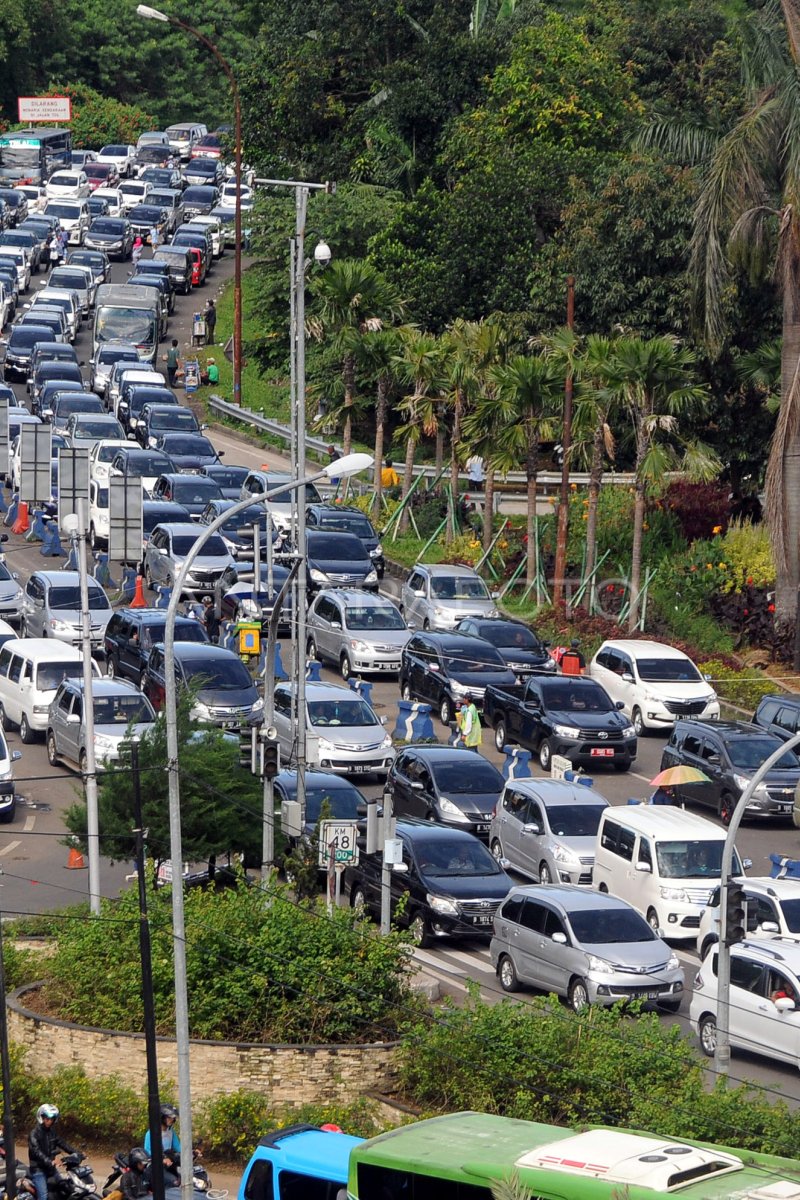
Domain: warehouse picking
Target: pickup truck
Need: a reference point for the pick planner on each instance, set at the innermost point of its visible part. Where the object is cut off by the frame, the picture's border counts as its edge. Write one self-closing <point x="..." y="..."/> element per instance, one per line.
<point x="568" y="715"/>
<point x="299" y="1160"/>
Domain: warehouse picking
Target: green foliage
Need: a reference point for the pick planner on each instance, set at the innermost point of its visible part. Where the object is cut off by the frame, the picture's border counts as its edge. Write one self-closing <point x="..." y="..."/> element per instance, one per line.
<point x="747" y="551"/>
<point x="260" y="968"/>
<point x="99" y="120"/>
<point x="230" y="1125"/>
<point x="88" y="1106"/>
<point x="741" y="687"/>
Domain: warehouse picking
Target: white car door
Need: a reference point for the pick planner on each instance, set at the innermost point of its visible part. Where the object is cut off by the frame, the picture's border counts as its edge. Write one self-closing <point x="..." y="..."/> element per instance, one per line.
<point x="283" y="722"/>
<point x="773" y="1029"/>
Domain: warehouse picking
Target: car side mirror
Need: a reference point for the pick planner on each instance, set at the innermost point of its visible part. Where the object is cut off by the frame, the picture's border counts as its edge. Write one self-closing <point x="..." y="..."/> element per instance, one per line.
<point x="747" y="863"/>
<point x="416" y="786"/>
<point x="713" y="759"/>
<point x="770" y="927"/>
<point x="3" y="537"/>
<point x="531" y="828"/>
<point x="619" y="705"/>
<point x="73" y="719"/>
<point x="627" y="677"/>
<point x="220" y="454"/>
<point x="645" y="868"/>
<point x="384" y="720"/>
<point x="16" y="755"/>
<point x="336" y="624"/>
<point x="784" y="1004"/>
<point x="560" y="938"/>
<point x="420" y="594"/>
<point x="401" y="868"/>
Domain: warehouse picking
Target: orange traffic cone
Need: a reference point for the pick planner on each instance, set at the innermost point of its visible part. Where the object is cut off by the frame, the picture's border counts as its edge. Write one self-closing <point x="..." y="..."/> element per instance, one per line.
<point x="138" y="600"/>
<point x="75" y="860"/>
<point x="21" y="524"/>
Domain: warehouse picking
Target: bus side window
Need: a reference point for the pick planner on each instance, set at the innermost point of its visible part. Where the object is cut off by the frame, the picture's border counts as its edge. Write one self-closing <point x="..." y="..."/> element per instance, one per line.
<point x="292" y="1186"/>
<point x="259" y="1181"/>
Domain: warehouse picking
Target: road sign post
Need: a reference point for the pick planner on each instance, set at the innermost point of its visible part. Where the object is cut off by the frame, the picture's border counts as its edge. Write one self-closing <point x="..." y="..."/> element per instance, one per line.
<point x="73" y="480"/>
<point x="338" y="839"/>
<point x="35" y="471"/>
<point x="125" y="519"/>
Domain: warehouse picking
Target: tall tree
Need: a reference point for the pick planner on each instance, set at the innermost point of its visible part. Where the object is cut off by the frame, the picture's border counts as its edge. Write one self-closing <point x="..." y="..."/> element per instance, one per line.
<point x="419" y="366"/>
<point x="376" y="359"/>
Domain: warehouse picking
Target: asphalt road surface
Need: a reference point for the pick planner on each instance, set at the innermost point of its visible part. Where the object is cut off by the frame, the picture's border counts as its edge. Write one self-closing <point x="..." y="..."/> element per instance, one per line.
<point x="33" y="858"/>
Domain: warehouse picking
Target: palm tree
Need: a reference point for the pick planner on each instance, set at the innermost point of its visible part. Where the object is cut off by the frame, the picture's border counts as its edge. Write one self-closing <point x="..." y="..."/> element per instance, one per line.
<point x="419" y="365"/>
<point x="748" y="204"/>
<point x="352" y="299"/>
<point x="376" y="358"/>
<point x="594" y="403"/>
<point x="653" y="380"/>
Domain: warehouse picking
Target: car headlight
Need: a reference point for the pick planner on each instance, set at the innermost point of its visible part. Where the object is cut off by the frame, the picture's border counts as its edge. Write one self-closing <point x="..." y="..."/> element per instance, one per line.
<point x="440" y="612"/>
<point x="371" y="577"/>
<point x="377" y="552"/>
<point x="452" y="810"/>
<point x="549" y="665"/>
<point x="361" y="647"/>
<point x="460" y="689"/>
<point x="259" y="704"/>
<point x="742" y="782"/>
<point x="600" y="966"/>
<point x="670" y="893"/>
<point x="441" y="904"/>
<point x="563" y="854"/>
<point x="387" y="741"/>
<point x="201" y="711"/>
<point x="6" y="775"/>
<point x="324" y="744"/>
<point x="673" y="964"/>
<point x="318" y="576"/>
<point x="566" y="731"/>
<point x="629" y="732"/>
<point x="60" y="626"/>
<point x="151" y="441"/>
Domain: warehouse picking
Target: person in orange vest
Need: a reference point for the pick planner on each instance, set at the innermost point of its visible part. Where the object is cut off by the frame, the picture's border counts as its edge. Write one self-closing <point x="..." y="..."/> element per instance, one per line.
<point x="572" y="661"/>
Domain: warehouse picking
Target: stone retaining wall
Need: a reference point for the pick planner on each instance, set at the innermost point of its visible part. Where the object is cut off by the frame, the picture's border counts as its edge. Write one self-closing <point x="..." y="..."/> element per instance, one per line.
<point x="285" y="1074"/>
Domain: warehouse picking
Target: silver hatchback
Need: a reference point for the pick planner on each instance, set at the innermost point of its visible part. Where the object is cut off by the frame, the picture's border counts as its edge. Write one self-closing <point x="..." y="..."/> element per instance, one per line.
<point x="167" y="550"/>
<point x="120" y="712"/>
<point x="51" y="607"/>
<point x="587" y="946"/>
<point x="547" y="829"/>
<point x="439" y="596"/>
<point x="361" y="632"/>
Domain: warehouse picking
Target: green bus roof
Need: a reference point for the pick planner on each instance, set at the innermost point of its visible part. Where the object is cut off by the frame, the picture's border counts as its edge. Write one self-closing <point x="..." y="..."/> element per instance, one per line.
<point x="476" y="1149"/>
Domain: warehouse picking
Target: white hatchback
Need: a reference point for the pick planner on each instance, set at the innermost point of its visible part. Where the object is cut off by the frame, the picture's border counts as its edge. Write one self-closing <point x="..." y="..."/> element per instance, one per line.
<point x="112" y="197"/>
<point x="68" y="185"/>
<point x="772" y="906"/>
<point x="655" y="683"/>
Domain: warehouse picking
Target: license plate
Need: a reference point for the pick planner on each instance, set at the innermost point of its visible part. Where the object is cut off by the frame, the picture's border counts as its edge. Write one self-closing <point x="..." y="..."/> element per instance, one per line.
<point x="602" y="752"/>
<point x="482" y="919"/>
<point x="785" y="807"/>
<point x="361" y="769"/>
<point x="483" y="828"/>
<point x="652" y="995"/>
<point x="229" y="725"/>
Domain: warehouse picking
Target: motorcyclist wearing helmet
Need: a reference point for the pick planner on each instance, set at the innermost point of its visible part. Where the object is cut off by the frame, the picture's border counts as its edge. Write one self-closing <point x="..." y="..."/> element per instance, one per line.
<point x="43" y="1144"/>
<point x="135" y="1182"/>
<point x="170" y="1144"/>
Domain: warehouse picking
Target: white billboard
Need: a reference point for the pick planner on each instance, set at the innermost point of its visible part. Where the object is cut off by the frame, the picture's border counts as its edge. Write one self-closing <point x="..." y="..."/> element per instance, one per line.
<point x="44" y="108"/>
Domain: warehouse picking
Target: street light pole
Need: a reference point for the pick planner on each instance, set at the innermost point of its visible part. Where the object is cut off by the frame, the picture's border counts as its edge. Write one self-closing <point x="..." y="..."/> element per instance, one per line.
<point x="154" y="14"/>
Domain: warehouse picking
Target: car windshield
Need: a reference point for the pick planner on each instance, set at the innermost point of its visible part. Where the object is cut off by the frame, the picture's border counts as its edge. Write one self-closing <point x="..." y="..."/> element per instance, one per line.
<point x="247" y="518"/>
<point x="567" y="697"/>
<point x="147" y="464"/>
<point x="344" y="712"/>
<point x="229" y="477"/>
<point x="69" y="599"/>
<point x="378" y="616"/>
<point x="94" y="427"/>
<point x="75" y="402"/>
<point x="108" y="225"/>
<point x="134" y="323"/>
<point x="462" y="662"/>
<point x="214" y="546"/>
<point x="105" y="452"/>
<point x="185" y="631"/>
<point x="748" y="753"/>
<point x="194" y="491"/>
<point x="69" y="211"/>
<point x="467" y="779"/>
<point x="97" y="170"/>
<point x="693" y="859"/>
<point x="443" y="858"/>
<point x="20" y="336"/>
<point x="457" y="587"/>
<point x="122" y="710"/>
<point x="791" y="914"/>
<point x="108" y="356"/>
<point x="179" y="444"/>
<point x="574" y="820"/>
<point x="608" y="925"/>
<point x="115" y="151"/>
<point x="179" y="417"/>
<point x="309" y="493"/>
<point x="668" y="670"/>
<point x="347" y="523"/>
<point x="50" y="675"/>
<point x="133" y="188"/>
<point x="157" y="516"/>
<point x="517" y="636"/>
<point x="335" y="547"/>
<point x="101" y="498"/>
<point x="71" y="280"/>
<point x="342" y="802"/>
<point x="162" y="198"/>
<point x="198" y="195"/>
<point x="145" y="212"/>
<point x="228" y="675"/>
<point x="64" y="180"/>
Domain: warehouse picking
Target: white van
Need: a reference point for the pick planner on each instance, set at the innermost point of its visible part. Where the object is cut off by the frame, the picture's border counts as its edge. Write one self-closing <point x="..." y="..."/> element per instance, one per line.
<point x="664" y="861"/>
<point x="656" y="684"/>
<point x="31" y="670"/>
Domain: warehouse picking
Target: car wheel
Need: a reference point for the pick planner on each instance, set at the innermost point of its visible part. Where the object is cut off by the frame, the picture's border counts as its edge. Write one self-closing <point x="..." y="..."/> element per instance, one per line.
<point x="545" y="755"/>
<point x="405" y="690"/>
<point x="603" y="889"/>
<point x="497" y="850"/>
<point x="3" y="718"/>
<point x="10" y="813"/>
<point x="652" y="920"/>
<point x="726" y="806"/>
<point x="26" y="734"/>
<point x="445" y="710"/>
<point x="708" y="1034"/>
<point x="507" y="974"/>
<point x="707" y="944"/>
<point x="544" y="873"/>
<point x="168" y="581"/>
<point x="148" y="578"/>
<point x="420" y="932"/>
<point x="311" y="649"/>
<point x="358" y="900"/>
<point x="426" y="625"/>
<point x="93" y="536"/>
<point x="52" y="753"/>
<point x="578" y="995"/>
<point x="500" y="735"/>
<point x="112" y="667"/>
<point x="670" y="1006"/>
<point x="345" y="667"/>
<point x="637" y="721"/>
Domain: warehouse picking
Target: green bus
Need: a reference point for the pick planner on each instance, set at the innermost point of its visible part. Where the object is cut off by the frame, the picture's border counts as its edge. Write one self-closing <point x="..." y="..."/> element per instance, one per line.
<point x="32" y="155"/>
<point x="460" y="1156"/>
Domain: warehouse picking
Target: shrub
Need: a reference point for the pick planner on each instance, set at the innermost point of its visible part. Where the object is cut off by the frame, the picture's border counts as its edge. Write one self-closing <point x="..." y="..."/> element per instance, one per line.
<point x="741" y="687"/>
<point x="87" y="1105"/>
<point x="99" y="120"/>
<point x="746" y="550"/>
<point x="235" y="1122"/>
<point x="701" y="509"/>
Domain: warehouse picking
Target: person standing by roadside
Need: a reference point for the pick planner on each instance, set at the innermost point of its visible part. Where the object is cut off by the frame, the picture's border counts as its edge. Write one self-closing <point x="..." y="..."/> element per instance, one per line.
<point x="155" y="237"/>
<point x="54" y="250"/>
<point x="469" y="725"/>
<point x="136" y="252"/>
<point x="475" y="473"/>
<point x="64" y="240"/>
<point x="211" y="322"/>
<point x="173" y="361"/>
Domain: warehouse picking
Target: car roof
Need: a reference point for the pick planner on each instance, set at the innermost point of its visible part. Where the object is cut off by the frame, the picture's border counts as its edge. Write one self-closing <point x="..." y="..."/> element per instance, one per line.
<point x="430" y="831"/>
<point x="65" y="578"/>
<point x="765" y="885"/>
<point x="573" y="899"/>
<point x="453" y="641"/>
<point x="329" y="691"/>
<point x="556" y="792"/>
<point x="664" y="820"/>
<point x="774" y="950"/>
<point x="326" y="779"/>
<point x="204" y="650"/>
<point x="447" y="569"/>
<point x="634" y="646"/>
<point x="442" y="753"/>
<point x="358" y="596"/>
<point x="727" y="729"/>
<point x="781" y="698"/>
<point x="180" y="527"/>
<point x="54" y="650"/>
<point x="145" y="615"/>
<point x="105" y="687"/>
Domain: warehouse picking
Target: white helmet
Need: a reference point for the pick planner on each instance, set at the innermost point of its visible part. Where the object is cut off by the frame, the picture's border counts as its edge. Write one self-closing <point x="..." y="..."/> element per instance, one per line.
<point x="46" y="1111"/>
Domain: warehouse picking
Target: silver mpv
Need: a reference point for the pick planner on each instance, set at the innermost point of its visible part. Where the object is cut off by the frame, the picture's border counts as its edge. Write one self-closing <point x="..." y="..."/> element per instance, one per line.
<point x="439" y="596"/>
<point x="361" y="632"/>
<point x="547" y="829"/>
<point x="120" y="712"/>
<point x="587" y="946"/>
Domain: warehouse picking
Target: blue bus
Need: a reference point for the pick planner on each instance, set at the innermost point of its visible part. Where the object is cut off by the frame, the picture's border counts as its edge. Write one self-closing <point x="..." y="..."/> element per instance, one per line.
<point x="32" y="155"/>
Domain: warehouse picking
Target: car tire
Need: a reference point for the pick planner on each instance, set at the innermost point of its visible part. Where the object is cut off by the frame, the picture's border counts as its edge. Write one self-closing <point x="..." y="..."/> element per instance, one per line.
<point x="707" y="1032"/>
<point x="93" y="537"/>
<point x="497" y="850"/>
<point x="426" y="625"/>
<point x="602" y="888"/>
<point x="405" y="690"/>
<point x="3" y="718"/>
<point x="726" y="806"/>
<point x="148" y="579"/>
<point x="544" y="873"/>
<point x="578" y="995"/>
<point x="112" y="667"/>
<point x="52" y="752"/>
<point x="507" y="974"/>
<point x="311" y="649"/>
<point x="26" y="734"/>
<point x="358" y="900"/>
<point x="345" y="667"/>
<point x="707" y="944"/>
<point x="545" y="754"/>
<point x="10" y="813"/>
<point x="420" y="932"/>
<point x="500" y="735"/>
<point x="637" y="721"/>
<point x="669" y="1006"/>
<point x="446" y="710"/>
<point x="652" y="920"/>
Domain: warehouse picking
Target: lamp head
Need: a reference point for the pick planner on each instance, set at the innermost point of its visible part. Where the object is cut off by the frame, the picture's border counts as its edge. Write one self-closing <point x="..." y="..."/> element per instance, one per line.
<point x="322" y="254"/>
<point x="150" y="14"/>
<point x="350" y="464"/>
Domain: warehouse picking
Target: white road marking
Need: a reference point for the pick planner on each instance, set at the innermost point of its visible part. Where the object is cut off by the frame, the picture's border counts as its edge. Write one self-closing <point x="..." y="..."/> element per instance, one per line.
<point x="438" y="963"/>
<point x="636" y="775"/>
<point x="29" y="824"/>
<point x="472" y="960"/>
<point x="7" y="849"/>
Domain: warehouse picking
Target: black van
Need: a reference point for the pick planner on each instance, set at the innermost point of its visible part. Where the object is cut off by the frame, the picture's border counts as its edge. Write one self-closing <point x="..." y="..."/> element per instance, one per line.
<point x="779" y="714"/>
<point x="180" y="266"/>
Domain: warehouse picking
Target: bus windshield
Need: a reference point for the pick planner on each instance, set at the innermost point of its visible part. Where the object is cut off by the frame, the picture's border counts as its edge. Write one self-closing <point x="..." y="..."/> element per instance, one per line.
<point x="119" y="324"/>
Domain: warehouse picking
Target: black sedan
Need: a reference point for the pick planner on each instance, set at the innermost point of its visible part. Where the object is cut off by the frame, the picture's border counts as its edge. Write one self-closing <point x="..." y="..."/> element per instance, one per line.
<point x="516" y="642"/>
<point x="340" y="797"/>
<point x="144" y="218"/>
<point x="112" y="235"/>
<point x="446" y="784"/>
<point x="338" y="560"/>
<point x="237" y="532"/>
<point x="229" y="478"/>
<point x="189" y="451"/>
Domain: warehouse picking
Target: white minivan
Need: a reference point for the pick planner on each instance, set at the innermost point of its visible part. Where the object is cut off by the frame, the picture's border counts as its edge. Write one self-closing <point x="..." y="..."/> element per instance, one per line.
<point x="31" y="670"/>
<point x="664" y="861"/>
<point x="655" y="683"/>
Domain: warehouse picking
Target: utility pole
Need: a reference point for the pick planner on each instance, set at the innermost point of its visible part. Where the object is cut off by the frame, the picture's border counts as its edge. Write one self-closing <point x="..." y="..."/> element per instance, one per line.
<point x="268" y="794"/>
<point x="388" y="826"/>
<point x="148" y="999"/>
<point x="8" y="1120"/>
<point x="566" y="444"/>
<point x="301" y="206"/>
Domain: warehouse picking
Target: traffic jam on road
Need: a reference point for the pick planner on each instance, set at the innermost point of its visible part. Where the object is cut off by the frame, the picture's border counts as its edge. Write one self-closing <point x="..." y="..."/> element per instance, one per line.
<point x="533" y="850"/>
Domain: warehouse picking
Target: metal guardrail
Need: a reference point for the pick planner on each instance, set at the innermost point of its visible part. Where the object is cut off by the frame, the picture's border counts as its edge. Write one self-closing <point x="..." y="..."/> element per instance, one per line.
<point x="546" y="480"/>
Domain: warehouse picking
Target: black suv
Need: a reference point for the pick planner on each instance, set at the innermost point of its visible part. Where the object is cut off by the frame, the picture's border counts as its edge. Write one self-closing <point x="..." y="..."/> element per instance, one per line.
<point x="446" y="784"/>
<point x="444" y="668"/>
<point x="729" y="753"/>
<point x="448" y="882"/>
<point x="342" y="519"/>
<point x="132" y="632"/>
<point x="779" y="715"/>
<point x="517" y="643"/>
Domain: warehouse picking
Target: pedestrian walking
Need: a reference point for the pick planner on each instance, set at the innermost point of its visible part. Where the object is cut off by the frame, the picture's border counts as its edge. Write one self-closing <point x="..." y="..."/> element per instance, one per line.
<point x="136" y="252"/>
<point x="389" y="477"/>
<point x="54" y="250"/>
<point x="155" y="237"/>
<point x="469" y="725"/>
<point x="173" y="361"/>
<point x="210" y="316"/>
<point x="475" y="473"/>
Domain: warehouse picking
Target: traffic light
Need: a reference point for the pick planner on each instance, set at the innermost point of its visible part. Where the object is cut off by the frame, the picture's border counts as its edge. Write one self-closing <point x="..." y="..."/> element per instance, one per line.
<point x="735" y="914"/>
<point x="272" y="755"/>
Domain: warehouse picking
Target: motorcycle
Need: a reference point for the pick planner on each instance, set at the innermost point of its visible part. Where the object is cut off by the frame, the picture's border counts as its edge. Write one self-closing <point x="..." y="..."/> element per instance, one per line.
<point x="200" y="1178"/>
<point x="21" y="1169"/>
<point x="75" y="1181"/>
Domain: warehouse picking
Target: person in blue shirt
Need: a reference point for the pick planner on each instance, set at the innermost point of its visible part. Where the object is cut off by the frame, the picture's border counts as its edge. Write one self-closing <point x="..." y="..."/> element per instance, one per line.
<point x="170" y="1143"/>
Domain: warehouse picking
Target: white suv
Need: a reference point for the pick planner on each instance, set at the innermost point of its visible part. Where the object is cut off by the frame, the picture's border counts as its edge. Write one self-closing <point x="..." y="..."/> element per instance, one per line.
<point x="764" y="1011"/>
<point x="655" y="683"/>
<point x="773" y="906"/>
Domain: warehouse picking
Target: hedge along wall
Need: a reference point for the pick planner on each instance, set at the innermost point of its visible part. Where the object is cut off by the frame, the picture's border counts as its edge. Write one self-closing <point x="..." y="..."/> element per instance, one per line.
<point x="285" y="1075"/>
